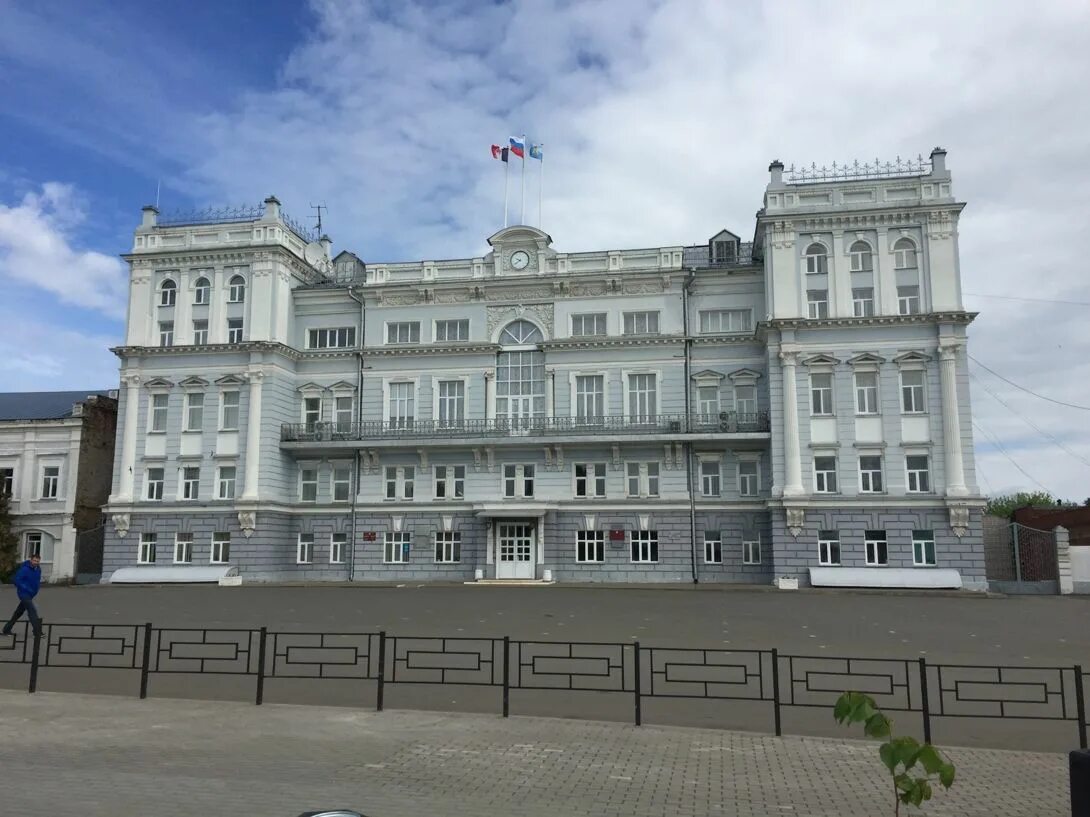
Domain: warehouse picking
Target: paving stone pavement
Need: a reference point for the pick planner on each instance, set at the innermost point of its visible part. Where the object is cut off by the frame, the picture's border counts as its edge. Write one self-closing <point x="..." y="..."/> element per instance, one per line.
<point x="106" y="756"/>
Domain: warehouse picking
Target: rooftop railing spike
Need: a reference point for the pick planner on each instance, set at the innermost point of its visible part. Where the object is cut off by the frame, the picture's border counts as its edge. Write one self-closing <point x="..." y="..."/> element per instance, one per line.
<point x="898" y="167"/>
<point x="213" y="215"/>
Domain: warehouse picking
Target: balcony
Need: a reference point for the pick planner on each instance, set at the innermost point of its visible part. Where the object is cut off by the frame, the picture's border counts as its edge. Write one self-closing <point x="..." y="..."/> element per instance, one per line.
<point x="557" y="429"/>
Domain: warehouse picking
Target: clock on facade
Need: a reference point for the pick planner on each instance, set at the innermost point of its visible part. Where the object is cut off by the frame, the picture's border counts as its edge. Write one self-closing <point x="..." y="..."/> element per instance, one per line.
<point x="520" y="259"/>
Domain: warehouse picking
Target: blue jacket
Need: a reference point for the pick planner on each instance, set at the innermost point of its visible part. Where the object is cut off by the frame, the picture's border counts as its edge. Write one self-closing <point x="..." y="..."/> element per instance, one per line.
<point x="27" y="580"/>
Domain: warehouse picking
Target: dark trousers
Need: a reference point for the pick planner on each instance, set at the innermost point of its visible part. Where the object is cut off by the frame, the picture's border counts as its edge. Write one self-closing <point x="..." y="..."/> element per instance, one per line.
<point x="25" y="606"/>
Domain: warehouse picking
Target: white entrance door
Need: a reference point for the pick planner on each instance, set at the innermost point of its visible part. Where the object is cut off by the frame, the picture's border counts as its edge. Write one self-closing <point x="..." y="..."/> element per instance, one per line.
<point x="516" y="545"/>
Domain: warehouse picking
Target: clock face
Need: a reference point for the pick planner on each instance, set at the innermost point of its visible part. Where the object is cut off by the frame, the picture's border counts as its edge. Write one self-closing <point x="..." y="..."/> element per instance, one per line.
<point x="520" y="259"/>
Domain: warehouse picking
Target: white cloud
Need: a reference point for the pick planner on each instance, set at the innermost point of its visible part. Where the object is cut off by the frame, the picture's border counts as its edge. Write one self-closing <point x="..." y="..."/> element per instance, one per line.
<point x="43" y="356"/>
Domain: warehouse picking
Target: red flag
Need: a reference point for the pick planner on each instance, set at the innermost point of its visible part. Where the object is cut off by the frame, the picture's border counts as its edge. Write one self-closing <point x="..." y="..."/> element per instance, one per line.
<point x="499" y="153"/>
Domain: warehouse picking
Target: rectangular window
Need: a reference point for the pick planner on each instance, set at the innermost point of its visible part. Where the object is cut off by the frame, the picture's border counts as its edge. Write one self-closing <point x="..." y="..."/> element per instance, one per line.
<point x="825" y="475"/>
<point x="155" y="484"/>
<point x="874" y="542"/>
<point x="725" y="252"/>
<point x="923" y="548"/>
<point x="229" y="411"/>
<point x="341" y="337"/>
<point x="817" y="303"/>
<point x="861" y="258"/>
<point x="342" y="414"/>
<point x="7" y="481"/>
<point x="828" y="547"/>
<point x="449" y="331"/>
<point x="866" y="392"/>
<point x="183" y="548"/>
<point x="51" y="481"/>
<point x="590" y="398"/>
<point x="749" y="478"/>
<point x="713" y="547"/>
<point x="590" y="479"/>
<point x="402" y="412"/>
<point x="201" y="292"/>
<point x="304" y="555"/>
<point x="645" y="546"/>
<point x="148" y="541"/>
<point x="641" y="323"/>
<point x="396" y="546"/>
<point x="194" y="411"/>
<point x="338" y="544"/>
<point x="586" y="325"/>
<point x="200" y="332"/>
<point x="518" y="480"/>
<point x="168" y="293"/>
<point x="707" y="401"/>
<point x="448" y="546"/>
<point x="236" y="291"/>
<point x="342" y="483"/>
<point x="642" y="479"/>
<point x="403" y="332"/>
<point x="234" y="330"/>
<point x="821" y="394"/>
<point x="400" y="482"/>
<point x="159" y="412"/>
<point x="32" y="546"/>
<point x="709" y="478"/>
<point x="745" y="399"/>
<point x="452" y="403"/>
<point x="642" y="397"/>
<point x="312" y="412"/>
<point x="919" y="473"/>
<point x="166" y="333"/>
<point x="863" y="302"/>
<point x="308" y="484"/>
<point x="912" y="392"/>
<point x="226" y="482"/>
<point x="221" y="548"/>
<point x="725" y="321"/>
<point x="450" y="481"/>
<point x="590" y="546"/>
<point x="908" y="300"/>
<point x="817" y="263"/>
<point x="904" y="257"/>
<point x="751" y="552"/>
<point x="191" y="482"/>
<point x="870" y="474"/>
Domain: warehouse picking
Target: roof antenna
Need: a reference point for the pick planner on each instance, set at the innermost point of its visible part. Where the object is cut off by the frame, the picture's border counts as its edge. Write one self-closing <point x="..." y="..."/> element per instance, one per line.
<point x="319" y="208"/>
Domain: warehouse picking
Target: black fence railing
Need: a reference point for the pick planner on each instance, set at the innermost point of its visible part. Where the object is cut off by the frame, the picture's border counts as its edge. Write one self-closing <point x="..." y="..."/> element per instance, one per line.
<point x="774" y="681"/>
<point x="725" y="422"/>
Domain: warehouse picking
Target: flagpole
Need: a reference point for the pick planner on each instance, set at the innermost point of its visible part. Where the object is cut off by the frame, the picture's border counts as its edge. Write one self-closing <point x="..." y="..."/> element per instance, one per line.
<point x="506" y="167"/>
<point x="540" y="184"/>
<point x="522" y="211"/>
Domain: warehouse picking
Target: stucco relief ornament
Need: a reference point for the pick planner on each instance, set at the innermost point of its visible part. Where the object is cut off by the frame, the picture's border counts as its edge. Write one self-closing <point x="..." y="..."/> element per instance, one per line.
<point x="247" y="520"/>
<point x="121" y="524"/>
<point x="796" y="519"/>
<point x="959" y="520"/>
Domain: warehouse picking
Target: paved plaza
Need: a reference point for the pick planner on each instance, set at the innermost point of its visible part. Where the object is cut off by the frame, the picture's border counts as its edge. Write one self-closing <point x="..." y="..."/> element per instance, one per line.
<point x="112" y="757"/>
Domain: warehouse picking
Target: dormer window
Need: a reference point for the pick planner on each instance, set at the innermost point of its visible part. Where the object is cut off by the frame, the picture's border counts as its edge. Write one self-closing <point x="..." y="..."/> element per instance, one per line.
<point x="168" y="293"/>
<point x="201" y="290"/>
<point x="861" y="257"/>
<point x="817" y="259"/>
<point x="236" y="292"/>
<point x="904" y="254"/>
<point x="724" y="248"/>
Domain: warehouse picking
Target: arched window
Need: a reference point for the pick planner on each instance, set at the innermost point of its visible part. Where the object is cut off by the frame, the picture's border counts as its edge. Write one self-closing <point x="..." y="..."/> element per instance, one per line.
<point x="520" y="376"/>
<point x="904" y="254"/>
<point x="236" y="292"/>
<point x="520" y="333"/>
<point x="168" y="293"/>
<point x="817" y="261"/>
<point x="861" y="258"/>
<point x="201" y="290"/>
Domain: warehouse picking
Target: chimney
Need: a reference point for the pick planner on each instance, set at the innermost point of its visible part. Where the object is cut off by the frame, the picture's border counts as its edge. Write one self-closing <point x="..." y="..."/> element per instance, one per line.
<point x="150" y="216"/>
<point x="776" y="169"/>
<point x="938" y="162"/>
<point x="272" y="208"/>
<point x="327" y="244"/>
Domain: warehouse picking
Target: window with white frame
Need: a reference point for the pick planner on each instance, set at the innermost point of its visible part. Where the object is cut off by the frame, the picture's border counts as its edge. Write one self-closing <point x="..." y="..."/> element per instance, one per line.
<point x="817" y="259"/>
<point x="710" y="478"/>
<point x="194" y="411"/>
<point x="645" y="546"/>
<point x="341" y="482"/>
<point x="863" y="302"/>
<point x="168" y="293"/>
<point x="33" y="545"/>
<point x="642" y="397"/>
<point x="860" y="257"/>
<point x="588" y="324"/>
<point x="448" y="546"/>
<point x="312" y="412"/>
<point x="707" y="401"/>
<point x="339" y="337"/>
<point x="234" y="330"/>
<point x="452" y="403"/>
<point x="226" y="482"/>
<point x="821" y="394"/>
<point x="518" y="480"/>
<point x="725" y="321"/>
<point x="713" y="547"/>
<point x="148" y="543"/>
<point x="870" y="474"/>
<point x="749" y="478"/>
<point x="745" y="398"/>
<point x="338" y="544"/>
<point x="221" y="548"/>
<point x="590" y="479"/>
<point x="201" y="291"/>
<point x="400" y="482"/>
<point x="875" y="547"/>
<point x="725" y="252"/>
<point x="154" y="481"/>
<point x="817" y="303"/>
<point x="642" y="479"/>
<point x="396" y="546"/>
<point x="450" y="481"/>
<point x="402" y="408"/>
<point x="308" y="484"/>
<point x="236" y="289"/>
<point x="51" y="481"/>
<point x="904" y="254"/>
<point x="166" y="333"/>
<point x="641" y="323"/>
<point x="866" y="392"/>
<point x="751" y="552"/>
<point x="912" y="391"/>
<point x="450" y="331"/>
<point x="183" y="548"/>
<point x="908" y="300"/>
<point x="229" y="411"/>
<point x="589" y="398"/>
<point x="923" y="548"/>
<point x="159" y="408"/>
<point x="403" y="332"/>
<point x="304" y="554"/>
<point x="590" y="546"/>
<point x="919" y="473"/>
<point x="342" y="413"/>
<point x="825" y="474"/>
<point x="828" y="547"/>
<point x="7" y="481"/>
<point x="200" y="332"/>
<point x="191" y="482"/>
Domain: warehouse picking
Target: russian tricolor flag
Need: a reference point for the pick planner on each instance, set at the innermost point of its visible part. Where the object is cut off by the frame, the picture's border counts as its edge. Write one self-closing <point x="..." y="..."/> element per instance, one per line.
<point x="518" y="146"/>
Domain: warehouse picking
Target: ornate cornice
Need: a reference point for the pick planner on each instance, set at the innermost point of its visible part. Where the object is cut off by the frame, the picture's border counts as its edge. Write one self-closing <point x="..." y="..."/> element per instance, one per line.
<point x="433" y="349"/>
<point x="877" y="320"/>
<point x="599" y="342"/>
<point x="705" y="340"/>
<point x="125" y="352"/>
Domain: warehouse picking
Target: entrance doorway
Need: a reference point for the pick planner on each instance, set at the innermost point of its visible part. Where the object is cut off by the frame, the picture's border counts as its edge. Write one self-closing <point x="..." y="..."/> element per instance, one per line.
<point x="516" y="550"/>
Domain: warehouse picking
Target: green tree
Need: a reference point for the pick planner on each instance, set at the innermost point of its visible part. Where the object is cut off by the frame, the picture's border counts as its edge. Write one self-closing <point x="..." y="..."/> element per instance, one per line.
<point x="1005" y="504"/>
<point x="9" y="543"/>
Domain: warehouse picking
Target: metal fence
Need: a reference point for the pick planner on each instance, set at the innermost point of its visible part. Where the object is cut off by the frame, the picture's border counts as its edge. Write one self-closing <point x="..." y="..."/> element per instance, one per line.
<point x="773" y="681"/>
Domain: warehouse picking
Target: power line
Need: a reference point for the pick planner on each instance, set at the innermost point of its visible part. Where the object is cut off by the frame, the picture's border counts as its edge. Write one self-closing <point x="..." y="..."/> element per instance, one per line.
<point x="1003" y="451"/>
<point x="1023" y="388"/>
<point x="1022" y="298"/>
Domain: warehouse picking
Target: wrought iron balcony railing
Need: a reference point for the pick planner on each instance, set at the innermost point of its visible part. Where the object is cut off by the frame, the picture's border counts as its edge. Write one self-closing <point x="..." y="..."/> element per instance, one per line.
<point x="726" y="422"/>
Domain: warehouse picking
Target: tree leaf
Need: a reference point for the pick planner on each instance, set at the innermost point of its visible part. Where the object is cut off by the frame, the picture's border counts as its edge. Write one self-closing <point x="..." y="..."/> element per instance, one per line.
<point x="903" y="782"/>
<point x="877" y="726"/>
<point x="843" y="707"/>
<point x="889" y="757"/>
<point x="946" y="775"/>
<point x="930" y="759"/>
<point x="924" y="787"/>
<point x="907" y="749"/>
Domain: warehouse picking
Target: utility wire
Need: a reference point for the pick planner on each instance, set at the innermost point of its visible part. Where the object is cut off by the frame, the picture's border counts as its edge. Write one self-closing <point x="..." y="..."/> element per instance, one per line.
<point x="1022" y="298"/>
<point x="1003" y="451"/>
<point x="1023" y="388"/>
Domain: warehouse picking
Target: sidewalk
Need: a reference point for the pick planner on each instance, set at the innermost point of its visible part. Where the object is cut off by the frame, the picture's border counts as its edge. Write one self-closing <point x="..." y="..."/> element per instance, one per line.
<point x="104" y="756"/>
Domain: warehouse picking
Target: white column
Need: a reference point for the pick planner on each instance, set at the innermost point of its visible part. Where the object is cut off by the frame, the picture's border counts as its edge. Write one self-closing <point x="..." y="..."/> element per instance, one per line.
<point x="550" y="392"/>
<point x="128" y="439"/>
<point x="183" y="320"/>
<point x="792" y="456"/>
<point x="951" y="422"/>
<point x="490" y="394"/>
<point x="253" y="437"/>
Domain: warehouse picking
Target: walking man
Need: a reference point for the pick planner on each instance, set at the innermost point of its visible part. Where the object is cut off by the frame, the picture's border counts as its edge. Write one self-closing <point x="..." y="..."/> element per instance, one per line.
<point x="27" y="580"/>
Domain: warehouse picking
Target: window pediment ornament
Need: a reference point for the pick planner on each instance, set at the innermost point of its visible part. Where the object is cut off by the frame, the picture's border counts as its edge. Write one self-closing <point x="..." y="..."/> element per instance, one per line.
<point x="342" y="386"/>
<point x="866" y="359"/>
<point x="539" y="313"/>
<point x="820" y="360"/>
<point x="229" y="380"/>
<point x="310" y="388"/>
<point x="707" y="377"/>
<point x="744" y="377"/>
<point x="194" y="382"/>
<point x="159" y="384"/>
<point x="912" y="359"/>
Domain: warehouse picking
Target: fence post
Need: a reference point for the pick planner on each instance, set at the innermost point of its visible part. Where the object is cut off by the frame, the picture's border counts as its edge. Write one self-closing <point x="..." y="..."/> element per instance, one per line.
<point x="261" y="665"/>
<point x="506" y="676"/>
<point x="1017" y="557"/>
<point x="776" y="690"/>
<point x="925" y="708"/>
<point x="35" y="655"/>
<point x="381" y="670"/>
<point x="636" y="685"/>
<point x="145" y="667"/>
<point x="1080" y="706"/>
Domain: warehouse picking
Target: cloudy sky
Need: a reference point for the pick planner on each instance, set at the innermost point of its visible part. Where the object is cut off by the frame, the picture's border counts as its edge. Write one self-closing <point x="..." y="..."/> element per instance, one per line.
<point x="659" y="120"/>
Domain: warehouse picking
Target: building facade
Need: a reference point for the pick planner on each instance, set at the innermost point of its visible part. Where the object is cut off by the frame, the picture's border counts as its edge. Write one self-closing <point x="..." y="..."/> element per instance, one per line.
<point x="728" y="411"/>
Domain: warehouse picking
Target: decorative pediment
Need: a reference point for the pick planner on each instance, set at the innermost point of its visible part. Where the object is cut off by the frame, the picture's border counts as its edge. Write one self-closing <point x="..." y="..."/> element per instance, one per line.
<point x="159" y="384"/>
<point x="230" y="380"/>
<point x="744" y="376"/>
<point x="912" y="359"/>
<point x="707" y="377"/>
<point x="519" y="233"/>
<point x="820" y="360"/>
<point x="194" y="382"/>
<point x="310" y="388"/>
<point x="866" y="359"/>
<point x="725" y="235"/>
<point x="342" y="385"/>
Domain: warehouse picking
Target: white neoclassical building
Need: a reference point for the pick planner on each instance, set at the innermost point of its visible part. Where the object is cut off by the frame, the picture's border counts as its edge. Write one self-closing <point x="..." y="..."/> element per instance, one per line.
<point x="792" y="407"/>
